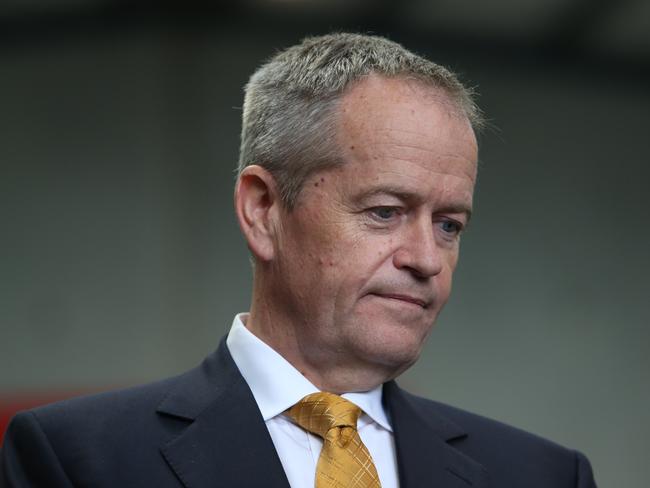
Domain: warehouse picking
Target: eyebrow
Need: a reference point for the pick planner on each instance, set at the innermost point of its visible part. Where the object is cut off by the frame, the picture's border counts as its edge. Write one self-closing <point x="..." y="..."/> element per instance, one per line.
<point x="408" y="195"/>
<point x="462" y="209"/>
<point x="395" y="191"/>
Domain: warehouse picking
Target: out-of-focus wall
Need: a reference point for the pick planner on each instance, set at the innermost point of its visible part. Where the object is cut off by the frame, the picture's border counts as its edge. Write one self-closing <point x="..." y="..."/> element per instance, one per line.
<point x="121" y="259"/>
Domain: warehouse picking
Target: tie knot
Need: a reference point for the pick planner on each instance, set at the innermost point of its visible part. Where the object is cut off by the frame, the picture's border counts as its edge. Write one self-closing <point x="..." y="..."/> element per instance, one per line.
<point x="319" y="412"/>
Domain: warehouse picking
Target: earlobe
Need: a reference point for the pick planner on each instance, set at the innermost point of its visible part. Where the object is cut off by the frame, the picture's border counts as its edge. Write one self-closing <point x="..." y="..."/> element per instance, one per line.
<point x="256" y="201"/>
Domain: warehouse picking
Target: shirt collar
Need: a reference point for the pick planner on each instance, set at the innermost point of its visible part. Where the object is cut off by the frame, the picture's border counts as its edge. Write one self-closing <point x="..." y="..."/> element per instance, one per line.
<point x="277" y="385"/>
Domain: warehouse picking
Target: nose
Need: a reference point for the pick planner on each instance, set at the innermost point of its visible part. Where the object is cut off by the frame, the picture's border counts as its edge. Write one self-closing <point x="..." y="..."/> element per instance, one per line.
<point x="419" y="252"/>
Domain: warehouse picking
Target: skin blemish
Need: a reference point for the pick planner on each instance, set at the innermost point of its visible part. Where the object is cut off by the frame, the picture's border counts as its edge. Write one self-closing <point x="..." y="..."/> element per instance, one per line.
<point x="316" y="184"/>
<point x="352" y="148"/>
<point x="331" y="263"/>
<point x="322" y="180"/>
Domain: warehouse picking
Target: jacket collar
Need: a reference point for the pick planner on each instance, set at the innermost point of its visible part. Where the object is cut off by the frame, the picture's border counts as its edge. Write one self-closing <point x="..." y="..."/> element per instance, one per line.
<point x="425" y="456"/>
<point x="226" y="442"/>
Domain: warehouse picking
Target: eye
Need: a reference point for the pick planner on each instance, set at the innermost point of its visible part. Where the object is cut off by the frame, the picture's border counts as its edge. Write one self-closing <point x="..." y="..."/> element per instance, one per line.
<point x="384" y="213"/>
<point x="451" y="227"/>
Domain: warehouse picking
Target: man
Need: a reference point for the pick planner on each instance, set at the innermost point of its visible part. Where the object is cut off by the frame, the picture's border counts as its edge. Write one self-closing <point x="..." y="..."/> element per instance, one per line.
<point x="357" y="169"/>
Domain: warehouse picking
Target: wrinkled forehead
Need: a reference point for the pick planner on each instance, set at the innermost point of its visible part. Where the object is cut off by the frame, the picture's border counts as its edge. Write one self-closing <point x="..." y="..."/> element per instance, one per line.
<point x="395" y="118"/>
<point x="375" y="94"/>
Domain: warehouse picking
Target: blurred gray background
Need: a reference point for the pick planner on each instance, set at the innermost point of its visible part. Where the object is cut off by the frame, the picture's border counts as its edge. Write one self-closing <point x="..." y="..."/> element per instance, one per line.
<point x="121" y="261"/>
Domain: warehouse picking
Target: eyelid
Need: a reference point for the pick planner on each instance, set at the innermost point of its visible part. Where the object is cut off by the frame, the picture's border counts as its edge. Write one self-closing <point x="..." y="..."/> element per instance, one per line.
<point x="460" y="226"/>
<point x="456" y="218"/>
<point x="373" y="211"/>
<point x="398" y="210"/>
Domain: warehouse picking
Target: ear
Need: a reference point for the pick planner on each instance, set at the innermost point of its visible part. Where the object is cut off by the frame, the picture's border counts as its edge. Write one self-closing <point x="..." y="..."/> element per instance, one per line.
<point x="257" y="203"/>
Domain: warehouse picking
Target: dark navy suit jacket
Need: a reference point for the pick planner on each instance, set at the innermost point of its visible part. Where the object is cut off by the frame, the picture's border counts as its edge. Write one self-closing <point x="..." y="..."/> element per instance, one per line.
<point x="203" y="429"/>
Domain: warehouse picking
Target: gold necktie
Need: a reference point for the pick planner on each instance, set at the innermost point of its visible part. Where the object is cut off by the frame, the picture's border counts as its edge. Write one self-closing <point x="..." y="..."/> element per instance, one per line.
<point x="344" y="461"/>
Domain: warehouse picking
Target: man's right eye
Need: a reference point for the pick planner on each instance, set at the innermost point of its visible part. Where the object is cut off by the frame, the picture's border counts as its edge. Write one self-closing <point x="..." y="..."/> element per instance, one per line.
<point x="384" y="213"/>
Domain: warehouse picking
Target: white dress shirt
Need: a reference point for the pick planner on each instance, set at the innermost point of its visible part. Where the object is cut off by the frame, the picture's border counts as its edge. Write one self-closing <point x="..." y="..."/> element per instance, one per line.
<point x="277" y="386"/>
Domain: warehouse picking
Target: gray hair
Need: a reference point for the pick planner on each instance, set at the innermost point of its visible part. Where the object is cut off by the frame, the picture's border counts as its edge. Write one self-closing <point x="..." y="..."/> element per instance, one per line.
<point x="291" y="101"/>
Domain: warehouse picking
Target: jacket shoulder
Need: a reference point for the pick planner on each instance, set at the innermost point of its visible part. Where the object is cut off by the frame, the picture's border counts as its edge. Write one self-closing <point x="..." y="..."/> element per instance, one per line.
<point x="479" y="425"/>
<point x="178" y="397"/>
<point x="99" y="437"/>
<point x="511" y="455"/>
<point x="114" y="438"/>
<point x="102" y="409"/>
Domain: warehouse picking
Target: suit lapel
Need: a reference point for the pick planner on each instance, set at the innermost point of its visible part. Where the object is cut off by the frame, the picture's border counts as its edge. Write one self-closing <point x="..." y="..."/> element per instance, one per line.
<point x="424" y="456"/>
<point x="226" y="442"/>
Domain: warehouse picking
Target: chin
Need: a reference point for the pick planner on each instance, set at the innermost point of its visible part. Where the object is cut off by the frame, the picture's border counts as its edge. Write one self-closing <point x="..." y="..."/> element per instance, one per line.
<point x="396" y="350"/>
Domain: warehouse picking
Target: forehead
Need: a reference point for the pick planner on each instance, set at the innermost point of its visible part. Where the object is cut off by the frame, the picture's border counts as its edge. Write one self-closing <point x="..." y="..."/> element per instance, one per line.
<point x="401" y="130"/>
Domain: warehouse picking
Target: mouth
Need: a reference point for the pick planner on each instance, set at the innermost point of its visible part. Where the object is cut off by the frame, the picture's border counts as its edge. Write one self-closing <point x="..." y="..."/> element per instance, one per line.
<point x="403" y="298"/>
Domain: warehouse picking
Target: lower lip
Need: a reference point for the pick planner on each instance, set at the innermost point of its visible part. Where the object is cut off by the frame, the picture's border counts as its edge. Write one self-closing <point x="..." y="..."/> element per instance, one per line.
<point x="398" y="300"/>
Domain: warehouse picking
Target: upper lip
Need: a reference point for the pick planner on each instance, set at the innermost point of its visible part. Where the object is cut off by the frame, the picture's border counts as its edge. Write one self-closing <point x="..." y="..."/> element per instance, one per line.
<point x="407" y="298"/>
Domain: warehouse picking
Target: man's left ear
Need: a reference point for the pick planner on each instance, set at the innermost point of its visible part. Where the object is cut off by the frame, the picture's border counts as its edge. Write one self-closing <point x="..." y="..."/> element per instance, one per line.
<point x="257" y="206"/>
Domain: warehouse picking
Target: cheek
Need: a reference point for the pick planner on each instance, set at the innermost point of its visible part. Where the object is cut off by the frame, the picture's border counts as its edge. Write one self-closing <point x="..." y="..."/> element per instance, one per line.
<point x="451" y="261"/>
<point x="322" y="256"/>
<point x="334" y="251"/>
<point x="343" y="267"/>
<point x="369" y="259"/>
<point x="443" y="282"/>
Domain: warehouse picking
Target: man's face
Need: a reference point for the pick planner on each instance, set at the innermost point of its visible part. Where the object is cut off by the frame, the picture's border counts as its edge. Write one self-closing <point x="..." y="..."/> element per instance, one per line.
<point x="366" y="257"/>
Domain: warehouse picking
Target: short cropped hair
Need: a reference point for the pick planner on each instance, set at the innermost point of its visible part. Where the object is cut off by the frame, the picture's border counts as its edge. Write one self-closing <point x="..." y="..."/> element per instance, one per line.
<point x="290" y="104"/>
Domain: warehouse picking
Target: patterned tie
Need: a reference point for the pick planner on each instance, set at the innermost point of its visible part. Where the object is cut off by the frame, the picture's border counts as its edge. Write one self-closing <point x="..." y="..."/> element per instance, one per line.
<point x="344" y="461"/>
